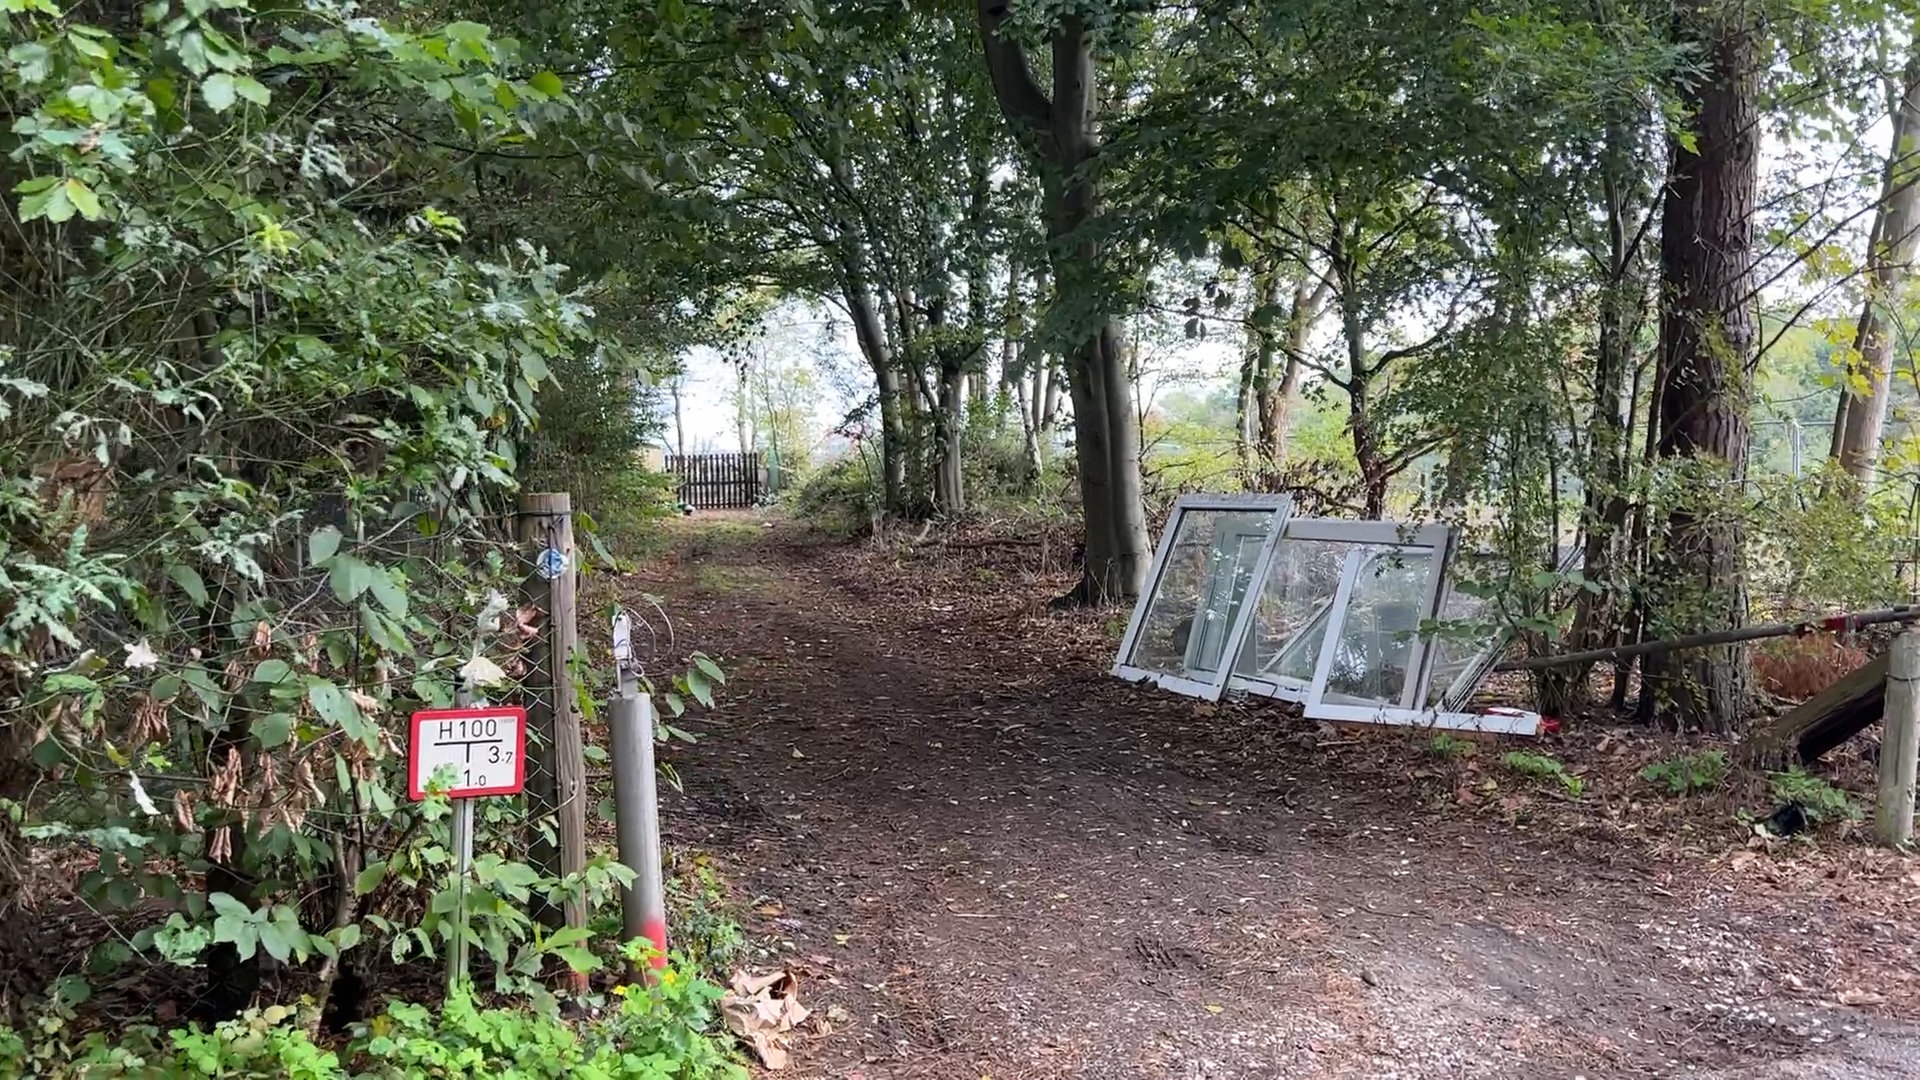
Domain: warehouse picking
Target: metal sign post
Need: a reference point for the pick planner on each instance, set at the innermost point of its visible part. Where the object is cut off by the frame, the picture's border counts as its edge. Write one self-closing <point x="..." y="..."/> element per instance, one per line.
<point x="483" y="750"/>
<point x="636" y="799"/>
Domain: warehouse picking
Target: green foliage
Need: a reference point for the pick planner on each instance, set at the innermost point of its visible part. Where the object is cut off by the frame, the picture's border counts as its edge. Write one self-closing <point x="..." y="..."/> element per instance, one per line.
<point x="1541" y="767"/>
<point x="595" y="419"/>
<point x="705" y="927"/>
<point x="664" y="1031"/>
<point x="1688" y="774"/>
<point x="841" y="496"/>
<point x="1817" y="548"/>
<point x="1449" y="747"/>
<point x="1822" y="801"/>
<point x="256" y="433"/>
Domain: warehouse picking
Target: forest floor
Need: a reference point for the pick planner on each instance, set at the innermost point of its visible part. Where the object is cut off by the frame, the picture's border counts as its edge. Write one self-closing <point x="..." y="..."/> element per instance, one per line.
<point x="986" y="859"/>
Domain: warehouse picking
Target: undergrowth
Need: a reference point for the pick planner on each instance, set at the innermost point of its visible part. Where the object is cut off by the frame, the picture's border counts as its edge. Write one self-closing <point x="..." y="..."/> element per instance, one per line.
<point x="660" y="1032"/>
<point x="1822" y="801"/>
<point x="1686" y="774"/>
<point x="1542" y="767"/>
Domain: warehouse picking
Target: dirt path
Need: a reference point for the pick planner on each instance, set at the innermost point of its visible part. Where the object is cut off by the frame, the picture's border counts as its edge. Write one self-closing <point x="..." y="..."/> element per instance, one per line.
<point x="988" y="859"/>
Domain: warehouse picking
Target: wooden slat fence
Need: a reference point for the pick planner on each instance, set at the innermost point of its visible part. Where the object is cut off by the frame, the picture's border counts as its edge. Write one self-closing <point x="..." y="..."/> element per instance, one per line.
<point x="717" y="481"/>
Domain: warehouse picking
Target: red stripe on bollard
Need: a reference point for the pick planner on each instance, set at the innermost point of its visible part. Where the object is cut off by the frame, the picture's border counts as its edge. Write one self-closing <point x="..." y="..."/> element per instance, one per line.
<point x="656" y="932"/>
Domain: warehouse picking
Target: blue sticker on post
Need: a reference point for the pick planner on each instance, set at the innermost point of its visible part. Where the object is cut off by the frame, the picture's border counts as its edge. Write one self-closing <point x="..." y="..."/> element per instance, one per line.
<point x="551" y="563"/>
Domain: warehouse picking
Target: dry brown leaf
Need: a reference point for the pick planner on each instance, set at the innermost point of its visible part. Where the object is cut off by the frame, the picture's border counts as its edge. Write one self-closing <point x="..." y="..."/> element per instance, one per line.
<point x="1861" y="997"/>
<point x="763" y="1010"/>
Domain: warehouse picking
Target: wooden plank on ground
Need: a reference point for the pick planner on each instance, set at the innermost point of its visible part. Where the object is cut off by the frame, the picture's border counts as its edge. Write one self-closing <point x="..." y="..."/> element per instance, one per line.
<point x="1823" y="721"/>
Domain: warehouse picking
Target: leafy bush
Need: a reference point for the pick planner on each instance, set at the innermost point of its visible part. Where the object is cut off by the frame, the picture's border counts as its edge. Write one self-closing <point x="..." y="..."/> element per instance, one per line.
<point x="249" y="521"/>
<point x="1821" y="800"/>
<point x="660" y="1032"/>
<point x="840" y="496"/>
<point x="1542" y="767"/>
<point x="1685" y="774"/>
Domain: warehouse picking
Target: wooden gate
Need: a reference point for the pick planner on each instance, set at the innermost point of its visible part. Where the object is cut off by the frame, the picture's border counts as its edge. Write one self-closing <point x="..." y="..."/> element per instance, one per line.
<point x="717" y="481"/>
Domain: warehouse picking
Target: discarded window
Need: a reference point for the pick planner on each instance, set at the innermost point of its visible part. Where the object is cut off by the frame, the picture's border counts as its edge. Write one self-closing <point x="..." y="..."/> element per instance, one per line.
<point x="1326" y="613"/>
<point x="1282" y="646"/>
<point x="1462" y="663"/>
<point x="1194" y="605"/>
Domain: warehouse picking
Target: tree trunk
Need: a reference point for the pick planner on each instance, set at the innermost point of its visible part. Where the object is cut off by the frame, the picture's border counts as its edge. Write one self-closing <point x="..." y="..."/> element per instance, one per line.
<point x="1060" y="130"/>
<point x="1245" y="424"/>
<point x="1707" y="338"/>
<point x="1598" y="616"/>
<point x="1258" y="386"/>
<point x="1367" y="455"/>
<point x="1276" y="398"/>
<point x="679" y="418"/>
<point x="872" y="338"/>
<point x="948" y="496"/>
<point x="1890" y="249"/>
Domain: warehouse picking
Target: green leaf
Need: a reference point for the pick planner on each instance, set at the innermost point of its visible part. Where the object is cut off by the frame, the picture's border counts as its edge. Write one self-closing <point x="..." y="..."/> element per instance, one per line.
<point x="189" y="581"/>
<point x="51" y="204"/>
<point x="465" y="31"/>
<point x="218" y="91"/>
<point x="32" y="61"/>
<point x="391" y="594"/>
<point x="706" y="664"/>
<point x="227" y="905"/>
<point x="349" y="577"/>
<point x="278" y="943"/>
<point x="86" y="46"/>
<point x="347" y="937"/>
<point x="321" y="545"/>
<point x="568" y="935"/>
<point x="192" y="48"/>
<point x="251" y="89"/>
<point x="370" y="878"/>
<point x="83" y="200"/>
<point x="336" y="708"/>
<point x="546" y="82"/>
<point x="578" y="959"/>
<point x="273" y="671"/>
<point x="698" y="687"/>
<point x="273" y="730"/>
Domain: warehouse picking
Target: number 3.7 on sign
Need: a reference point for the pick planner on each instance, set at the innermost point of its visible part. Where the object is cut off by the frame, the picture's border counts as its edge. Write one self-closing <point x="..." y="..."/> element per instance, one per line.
<point x="483" y="751"/>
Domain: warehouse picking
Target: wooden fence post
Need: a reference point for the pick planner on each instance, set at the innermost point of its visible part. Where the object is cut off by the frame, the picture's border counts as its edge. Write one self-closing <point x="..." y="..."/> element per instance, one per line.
<point x="1899" y="743"/>
<point x="545" y="527"/>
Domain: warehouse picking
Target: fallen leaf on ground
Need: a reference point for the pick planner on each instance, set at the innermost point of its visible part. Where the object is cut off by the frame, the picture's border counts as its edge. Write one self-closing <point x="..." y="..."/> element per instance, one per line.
<point x="1861" y="997"/>
<point x="763" y="1010"/>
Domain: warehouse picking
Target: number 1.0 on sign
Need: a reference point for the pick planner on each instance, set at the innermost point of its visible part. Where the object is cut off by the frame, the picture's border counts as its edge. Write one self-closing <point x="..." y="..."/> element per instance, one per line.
<point x="479" y="751"/>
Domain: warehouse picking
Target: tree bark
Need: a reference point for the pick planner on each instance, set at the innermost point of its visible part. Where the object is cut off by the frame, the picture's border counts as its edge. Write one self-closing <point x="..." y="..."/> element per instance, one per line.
<point x="1277" y="398"/>
<point x="948" y="487"/>
<point x="1060" y="130"/>
<point x="1890" y="250"/>
<point x="1598" y="616"/>
<point x="872" y="338"/>
<point x="679" y="418"/>
<point x="1245" y="424"/>
<point x="1707" y="339"/>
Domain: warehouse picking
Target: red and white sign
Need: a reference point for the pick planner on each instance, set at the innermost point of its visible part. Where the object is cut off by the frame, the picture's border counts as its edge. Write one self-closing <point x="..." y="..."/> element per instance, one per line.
<point x="483" y="749"/>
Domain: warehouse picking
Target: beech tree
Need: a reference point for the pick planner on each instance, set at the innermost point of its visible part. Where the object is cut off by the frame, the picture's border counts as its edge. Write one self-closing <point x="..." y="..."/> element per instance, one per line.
<point x="1060" y="133"/>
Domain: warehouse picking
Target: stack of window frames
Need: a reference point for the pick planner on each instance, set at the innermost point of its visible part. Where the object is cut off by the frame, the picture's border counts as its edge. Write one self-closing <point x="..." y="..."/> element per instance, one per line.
<point x="1321" y="612"/>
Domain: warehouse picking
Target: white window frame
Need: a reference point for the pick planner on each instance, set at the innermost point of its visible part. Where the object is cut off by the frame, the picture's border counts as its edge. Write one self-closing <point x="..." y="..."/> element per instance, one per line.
<point x="1437" y="539"/>
<point x="1468" y="682"/>
<point x="1440" y="538"/>
<point x="1281" y="508"/>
